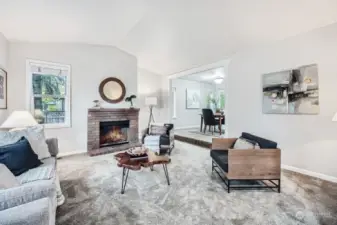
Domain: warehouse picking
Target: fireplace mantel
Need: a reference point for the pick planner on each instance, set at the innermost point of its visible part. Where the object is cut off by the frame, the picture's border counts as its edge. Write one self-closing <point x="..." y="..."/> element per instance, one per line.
<point x="97" y="115"/>
<point x="113" y="110"/>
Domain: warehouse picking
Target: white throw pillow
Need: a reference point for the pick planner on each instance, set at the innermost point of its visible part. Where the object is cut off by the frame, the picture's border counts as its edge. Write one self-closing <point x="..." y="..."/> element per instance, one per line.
<point x="242" y="143"/>
<point x="8" y="179"/>
<point x="36" y="139"/>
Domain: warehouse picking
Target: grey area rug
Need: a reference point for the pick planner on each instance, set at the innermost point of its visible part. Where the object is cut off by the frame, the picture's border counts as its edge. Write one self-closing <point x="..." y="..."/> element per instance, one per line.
<point x="92" y="185"/>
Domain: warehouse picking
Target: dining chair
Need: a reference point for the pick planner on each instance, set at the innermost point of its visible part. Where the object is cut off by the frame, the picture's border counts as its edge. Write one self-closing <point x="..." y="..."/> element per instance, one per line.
<point x="209" y="119"/>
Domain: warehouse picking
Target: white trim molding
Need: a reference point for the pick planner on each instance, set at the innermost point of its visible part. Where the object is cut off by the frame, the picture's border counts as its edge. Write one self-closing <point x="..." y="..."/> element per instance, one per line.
<point x="310" y="173"/>
<point x="222" y="63"/>
<point x="64" y="154"/>
<point x="174" y="103"/>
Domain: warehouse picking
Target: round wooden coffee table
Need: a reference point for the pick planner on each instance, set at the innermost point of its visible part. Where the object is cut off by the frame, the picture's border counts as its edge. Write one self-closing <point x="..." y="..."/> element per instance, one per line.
<point x="128" y="163"/>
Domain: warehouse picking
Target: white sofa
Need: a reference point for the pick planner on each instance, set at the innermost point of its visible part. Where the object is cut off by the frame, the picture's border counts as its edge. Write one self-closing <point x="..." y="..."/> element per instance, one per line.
<point x="36" y="199"/>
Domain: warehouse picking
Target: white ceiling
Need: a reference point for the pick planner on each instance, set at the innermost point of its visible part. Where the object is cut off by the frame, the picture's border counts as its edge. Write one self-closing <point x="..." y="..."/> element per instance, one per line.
<point x="167" y="36"/>
<point x="206" y="76"/>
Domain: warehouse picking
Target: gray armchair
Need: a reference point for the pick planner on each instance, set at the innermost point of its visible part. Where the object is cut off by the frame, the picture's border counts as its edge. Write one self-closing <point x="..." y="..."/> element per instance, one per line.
<point x="160" y="143"/>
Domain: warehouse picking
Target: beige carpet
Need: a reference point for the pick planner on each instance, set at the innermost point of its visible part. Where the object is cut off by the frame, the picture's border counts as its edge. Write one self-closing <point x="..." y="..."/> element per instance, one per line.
<point x="92" y="185"/>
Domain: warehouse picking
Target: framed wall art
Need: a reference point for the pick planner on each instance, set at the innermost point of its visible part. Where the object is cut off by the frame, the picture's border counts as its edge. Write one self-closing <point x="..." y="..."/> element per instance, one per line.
<point x="3" y="89"/>
<point x="294" y="91"/>
<point x="192" y="99"/>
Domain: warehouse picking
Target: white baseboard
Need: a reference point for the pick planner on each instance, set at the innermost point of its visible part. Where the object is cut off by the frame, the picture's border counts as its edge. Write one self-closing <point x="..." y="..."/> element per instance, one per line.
<point x="186" y="127"/>
<point x="310" y="173"/>
<point x="70" y="153"/>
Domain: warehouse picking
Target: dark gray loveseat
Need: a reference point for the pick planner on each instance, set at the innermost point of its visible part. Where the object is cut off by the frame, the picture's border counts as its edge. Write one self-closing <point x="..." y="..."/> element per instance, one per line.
<point x="234" y="165"/>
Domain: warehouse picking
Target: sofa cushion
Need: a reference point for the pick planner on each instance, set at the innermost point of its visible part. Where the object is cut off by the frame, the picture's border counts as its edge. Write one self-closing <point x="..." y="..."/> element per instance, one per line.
<point x="19" y="157"/>
<point x="8" y="179"/>
<point x="221" y="158"/>
<point x="37" y="212"/>
<point x="263" y="143"/>
<point x="44" y="172"/>
<point x="27" y="193"/>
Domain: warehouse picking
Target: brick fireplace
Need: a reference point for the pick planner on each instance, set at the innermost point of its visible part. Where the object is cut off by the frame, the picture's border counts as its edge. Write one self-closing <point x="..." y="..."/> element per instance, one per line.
<point x="112" y="130"/>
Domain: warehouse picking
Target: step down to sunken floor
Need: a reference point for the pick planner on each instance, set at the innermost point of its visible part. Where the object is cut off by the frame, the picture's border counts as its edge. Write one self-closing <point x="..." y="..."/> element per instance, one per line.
<point x="193" y="141"/>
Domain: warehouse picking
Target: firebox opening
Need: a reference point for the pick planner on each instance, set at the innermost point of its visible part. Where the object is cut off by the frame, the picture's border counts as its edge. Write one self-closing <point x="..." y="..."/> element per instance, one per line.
<point x="113" y="133"/>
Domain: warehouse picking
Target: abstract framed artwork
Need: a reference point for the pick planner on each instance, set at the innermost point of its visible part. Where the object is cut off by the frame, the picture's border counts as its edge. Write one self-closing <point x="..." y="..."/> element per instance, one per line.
<point x="3" y="89"/>
<point x="192" y="99"/>
<point x="294" y="91"/>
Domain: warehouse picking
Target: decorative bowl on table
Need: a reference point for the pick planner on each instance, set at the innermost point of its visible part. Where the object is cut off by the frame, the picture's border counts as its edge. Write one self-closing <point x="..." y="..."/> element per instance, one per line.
<point x="137" y="152"/>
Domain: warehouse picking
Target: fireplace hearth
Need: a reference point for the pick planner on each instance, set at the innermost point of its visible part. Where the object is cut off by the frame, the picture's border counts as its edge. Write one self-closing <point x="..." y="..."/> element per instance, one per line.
<point x="113" y="133"/>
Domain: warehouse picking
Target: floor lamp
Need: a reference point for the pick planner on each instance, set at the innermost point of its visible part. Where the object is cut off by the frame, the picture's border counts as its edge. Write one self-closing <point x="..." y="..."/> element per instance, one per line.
<point x="151" y="101"/>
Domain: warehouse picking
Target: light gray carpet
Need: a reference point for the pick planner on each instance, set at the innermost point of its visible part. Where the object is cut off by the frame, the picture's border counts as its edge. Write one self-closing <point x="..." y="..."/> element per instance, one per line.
<point x="92" y="185"/>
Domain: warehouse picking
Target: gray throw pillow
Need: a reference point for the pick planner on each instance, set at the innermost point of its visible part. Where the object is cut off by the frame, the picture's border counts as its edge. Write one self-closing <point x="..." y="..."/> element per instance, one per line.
<point x="8" y="179"/>
<point x="242" y="143"/>
<point x="7" y="138"/>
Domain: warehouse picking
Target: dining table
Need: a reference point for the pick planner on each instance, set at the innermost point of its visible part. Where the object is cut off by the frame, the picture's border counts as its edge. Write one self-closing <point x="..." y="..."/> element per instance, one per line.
<point x="217" y="116"/>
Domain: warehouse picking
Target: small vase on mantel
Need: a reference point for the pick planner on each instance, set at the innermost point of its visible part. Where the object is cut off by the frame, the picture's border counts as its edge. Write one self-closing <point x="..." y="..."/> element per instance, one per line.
<point x="97" y="104"/>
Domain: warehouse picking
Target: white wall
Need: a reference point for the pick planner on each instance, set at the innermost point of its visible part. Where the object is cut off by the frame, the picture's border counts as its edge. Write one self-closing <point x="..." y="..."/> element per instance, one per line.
<point x="90" y="65"/>
<point x="308" y="142"/>
<point x="189" y="117"/>
<point x="166" y="98"/>
<point x="3" y="65"/>
<point x="3" y="51"/>
<point x="150" y="85"/>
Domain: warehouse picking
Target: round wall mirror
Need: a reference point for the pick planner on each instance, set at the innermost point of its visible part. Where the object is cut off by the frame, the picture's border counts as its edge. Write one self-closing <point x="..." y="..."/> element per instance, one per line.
<point x="112" y="90"/>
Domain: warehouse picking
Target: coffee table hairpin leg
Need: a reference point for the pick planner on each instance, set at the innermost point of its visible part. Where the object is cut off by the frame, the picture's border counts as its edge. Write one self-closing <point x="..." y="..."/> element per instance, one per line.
<point x="166" y="173"/>
<point x="124" y="179"/>
<point x="126" y="174"/>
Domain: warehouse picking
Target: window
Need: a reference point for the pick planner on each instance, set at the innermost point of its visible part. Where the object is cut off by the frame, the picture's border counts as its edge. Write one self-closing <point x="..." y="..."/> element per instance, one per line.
<point x="222" y="98"/>
<point x="49" y="93"/>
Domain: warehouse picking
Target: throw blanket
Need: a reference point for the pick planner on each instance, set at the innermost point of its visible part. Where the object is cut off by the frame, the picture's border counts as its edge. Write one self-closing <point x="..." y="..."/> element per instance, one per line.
<point x="152" y="143"/>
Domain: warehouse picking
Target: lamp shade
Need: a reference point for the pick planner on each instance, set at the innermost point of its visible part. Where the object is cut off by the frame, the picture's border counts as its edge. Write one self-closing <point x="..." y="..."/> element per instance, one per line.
<point x="334" y="118"/>
<point x="151" y="101"/>
<point x="19" y="119"/>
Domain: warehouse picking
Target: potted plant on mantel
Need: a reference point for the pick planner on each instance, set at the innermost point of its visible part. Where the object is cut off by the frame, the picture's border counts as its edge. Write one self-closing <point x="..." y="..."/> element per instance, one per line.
<point x="97" y="104"/>
<point x="129" y="99"/>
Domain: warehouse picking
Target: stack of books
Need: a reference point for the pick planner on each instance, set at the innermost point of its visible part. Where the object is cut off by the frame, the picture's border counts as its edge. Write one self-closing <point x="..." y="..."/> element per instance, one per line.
<point x="138" y="157"/>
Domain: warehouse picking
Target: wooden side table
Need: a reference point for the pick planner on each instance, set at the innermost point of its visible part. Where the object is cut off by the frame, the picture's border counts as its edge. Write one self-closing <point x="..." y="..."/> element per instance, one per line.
<point x="127" y="163"/>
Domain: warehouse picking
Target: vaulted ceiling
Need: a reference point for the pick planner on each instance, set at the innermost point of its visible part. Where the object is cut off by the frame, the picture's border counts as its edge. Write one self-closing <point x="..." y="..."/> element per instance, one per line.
<point x="167" y="36"/>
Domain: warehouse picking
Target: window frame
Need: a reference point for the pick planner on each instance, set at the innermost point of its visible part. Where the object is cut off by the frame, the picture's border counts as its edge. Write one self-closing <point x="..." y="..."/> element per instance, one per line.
<point x="174" y="103"/>
<point x="30" y="94"/>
